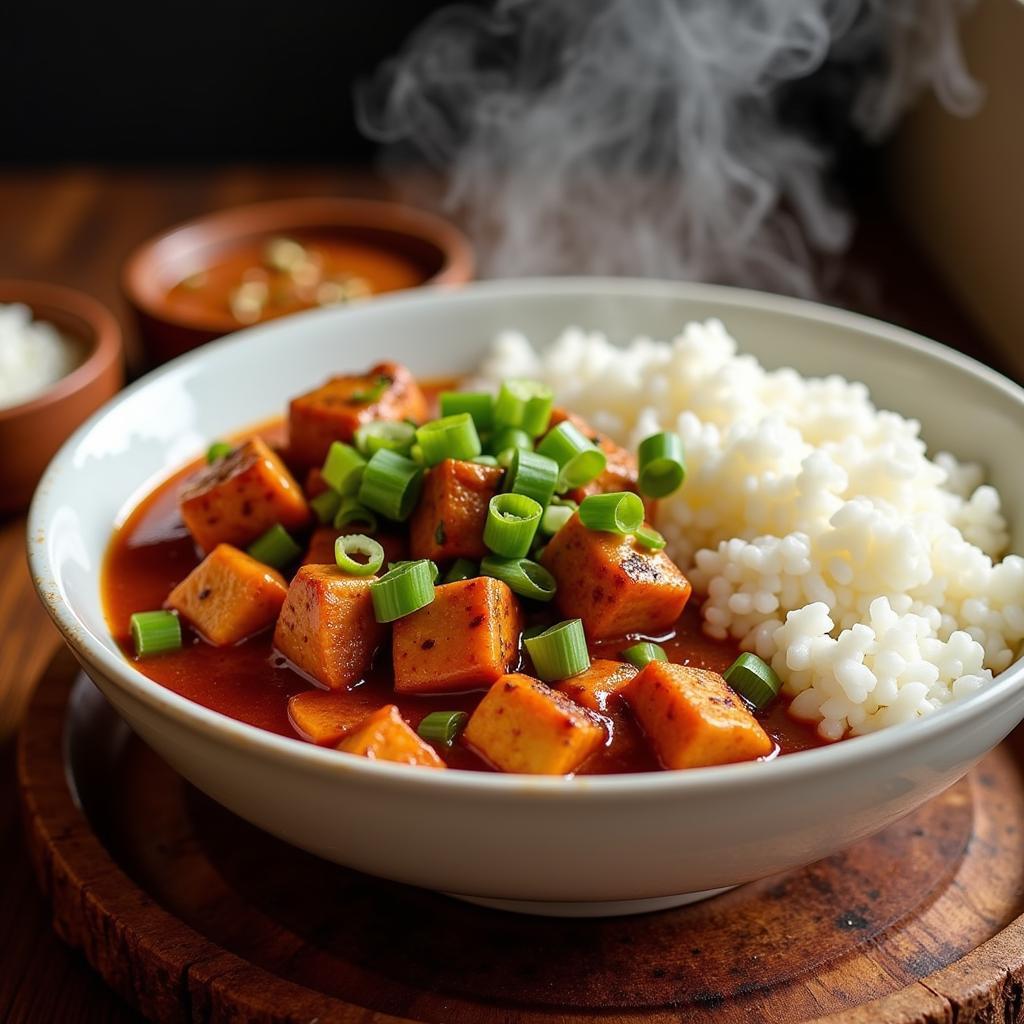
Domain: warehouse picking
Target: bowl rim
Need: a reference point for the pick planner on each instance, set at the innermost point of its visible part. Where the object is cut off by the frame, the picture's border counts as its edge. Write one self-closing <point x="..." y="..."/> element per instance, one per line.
<point x="104" y="339"/>
<point x="835" y="757"/>
<point x="279" y="216"/>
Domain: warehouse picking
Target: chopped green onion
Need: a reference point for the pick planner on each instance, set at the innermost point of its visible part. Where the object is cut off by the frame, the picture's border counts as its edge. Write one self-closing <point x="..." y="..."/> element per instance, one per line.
<point x="276" y="548"/>
<point x="560" y="652"/>
<point x="754" y="680"/>
<point x="395" y="435"/>
<point x="567" y="502"/>
<point x="434" y="571"/>
<point x="350" y="544"/>
<point x="442" y="727"/>
<point x="578" y="458"/>
<point x="478" y="404"/>
<point x="662" y="464"/>
<point x="512" y="520"/>
<point x="402" y="590"/>
<point x="462" y="569"/>
<point x="525" y="404"/>
<point x="217" y="451"/>
<point x="351" y="512"/>
<point x="416" y="454"/>
<point x="509" y="437"/>
<point x="373" y="393"/>
<point x="524" y="577"/>
<point x="326" y="505"/>
<point x="617" y="512"/>
<point x="643" y="654"/>
<point x="532" y="474"/>
<point x="155" y="633"/>
<point x="451" y="437"/>
<point x="554" y="518"/>
<point x="532" y="631"/>
<point x="391" y="484"/>
<point x="648" y="537"/>
<point x="343" y="468"/>
<point x="485" y="460"/>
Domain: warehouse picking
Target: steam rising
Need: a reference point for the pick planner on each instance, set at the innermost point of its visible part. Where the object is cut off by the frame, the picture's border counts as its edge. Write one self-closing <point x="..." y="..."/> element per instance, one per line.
<point x="644" y="137"/>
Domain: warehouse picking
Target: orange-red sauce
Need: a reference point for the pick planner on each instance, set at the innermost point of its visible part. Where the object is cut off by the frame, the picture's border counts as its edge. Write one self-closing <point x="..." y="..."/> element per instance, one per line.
<point x="152" y="552"/>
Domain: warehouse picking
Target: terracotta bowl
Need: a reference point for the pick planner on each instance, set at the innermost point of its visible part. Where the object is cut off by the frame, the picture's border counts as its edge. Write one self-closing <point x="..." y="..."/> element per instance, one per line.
<point x="168" y="330"/>
<point x="31" y="432"/>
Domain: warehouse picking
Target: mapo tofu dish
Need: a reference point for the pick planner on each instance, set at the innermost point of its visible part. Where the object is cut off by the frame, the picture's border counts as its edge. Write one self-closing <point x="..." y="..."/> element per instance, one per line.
<point x="440" y="577"/>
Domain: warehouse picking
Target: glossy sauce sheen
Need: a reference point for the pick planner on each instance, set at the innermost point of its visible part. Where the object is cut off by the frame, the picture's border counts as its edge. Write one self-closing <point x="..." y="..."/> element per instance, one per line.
<point x="153" y="551"/>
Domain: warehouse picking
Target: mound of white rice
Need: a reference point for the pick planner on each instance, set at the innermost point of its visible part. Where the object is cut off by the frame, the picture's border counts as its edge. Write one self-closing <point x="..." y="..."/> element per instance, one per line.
<point x="816" y="528"/>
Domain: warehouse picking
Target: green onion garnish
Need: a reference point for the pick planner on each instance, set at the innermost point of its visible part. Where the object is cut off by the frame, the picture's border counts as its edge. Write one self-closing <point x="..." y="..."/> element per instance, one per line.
<point x="276" y="548"/>
<point x="374" y="393"/>
<point x="559" y="652"/>
<point x="485" y="460"/>
<point x="343" y="468"/>
<point x="403" y="590"/>
<point x="432" y="566"/>
<point x="754" y="680"/>
<point x="532" y="631"/>
<point x="395" y="435"/>
<point x="525" y="404"/>
<point x="532" y="474"/>
<point x="218" y="450"/>
<point x="391" y="484"/>
<point x="155" y="633"/>
<point x="451" y="437"/>
<point x="462" y="569"/>
<point x="507" y="438"/>
<point x="567" y="502"/>
<point x="554" y="518"/>
<point x="350" y="511"/>
<point x="643" y="654"/>
<point x="478" y="404"/>
<point x="326" y="505"/>
<point x="512" y="520"/>
<point x="662" y="464"/>
<point x="442" y="727"/>
<point x="617" y="512"/>
<point x="350" y="544"/>
<point x="579" y="459"/>
<point x="524" y="577"/>
<point x="648" y="537"/>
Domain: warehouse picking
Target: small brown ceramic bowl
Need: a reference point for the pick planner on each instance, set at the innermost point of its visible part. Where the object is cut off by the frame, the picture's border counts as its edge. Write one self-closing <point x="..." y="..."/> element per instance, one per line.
<point x="31" y="432"/>
<point x="439" y="252"/>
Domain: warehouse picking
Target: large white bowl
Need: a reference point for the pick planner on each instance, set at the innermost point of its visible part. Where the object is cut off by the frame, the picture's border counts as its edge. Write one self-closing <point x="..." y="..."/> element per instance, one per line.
<point x="580" y="846"/>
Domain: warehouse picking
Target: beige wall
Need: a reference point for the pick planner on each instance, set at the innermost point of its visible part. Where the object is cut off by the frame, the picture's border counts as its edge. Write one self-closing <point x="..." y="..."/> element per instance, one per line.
<point x="959" y="183"/>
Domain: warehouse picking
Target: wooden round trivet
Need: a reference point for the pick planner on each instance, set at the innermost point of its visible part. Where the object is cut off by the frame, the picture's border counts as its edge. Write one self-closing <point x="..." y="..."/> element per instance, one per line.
<point x="193" y="915"/>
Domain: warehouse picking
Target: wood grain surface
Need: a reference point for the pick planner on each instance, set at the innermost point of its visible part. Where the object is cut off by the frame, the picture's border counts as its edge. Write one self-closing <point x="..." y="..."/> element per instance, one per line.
<point x="75" y="226"/>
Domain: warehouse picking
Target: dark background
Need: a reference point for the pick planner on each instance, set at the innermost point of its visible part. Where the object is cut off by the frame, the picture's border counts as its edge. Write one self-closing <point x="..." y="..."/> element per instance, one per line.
<point x="191" y="80"/>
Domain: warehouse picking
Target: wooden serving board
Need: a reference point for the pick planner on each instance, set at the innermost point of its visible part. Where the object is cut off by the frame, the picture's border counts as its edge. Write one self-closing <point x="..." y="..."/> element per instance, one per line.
<point x="194" y="915"/>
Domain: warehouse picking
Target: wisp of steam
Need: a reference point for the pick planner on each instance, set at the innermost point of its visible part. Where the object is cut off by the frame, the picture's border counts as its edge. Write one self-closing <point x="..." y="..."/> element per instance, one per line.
<point x="649" y="137"/>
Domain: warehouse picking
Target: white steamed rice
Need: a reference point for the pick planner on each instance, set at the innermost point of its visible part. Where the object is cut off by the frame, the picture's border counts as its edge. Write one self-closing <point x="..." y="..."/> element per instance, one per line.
<point x="816" y="528"/>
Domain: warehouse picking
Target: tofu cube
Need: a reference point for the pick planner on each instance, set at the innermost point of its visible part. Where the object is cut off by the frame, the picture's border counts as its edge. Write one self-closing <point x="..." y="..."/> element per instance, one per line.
<point x="595" y="687"/>
<point x="321" y="545"/>
<point x="522" y="725"/>
<point x="241" y="496"/>
<point x="326" y="717"/>
<point x="464" y="639"/>
<point x="334" y="411"/>
<point x="692" y="718"/>
<point x="449" y="520"/>
<point x="385" y="736"/>
<point x="229" y="596"/>
<point x="613" y="584"/>
<point x="327" y="628"/>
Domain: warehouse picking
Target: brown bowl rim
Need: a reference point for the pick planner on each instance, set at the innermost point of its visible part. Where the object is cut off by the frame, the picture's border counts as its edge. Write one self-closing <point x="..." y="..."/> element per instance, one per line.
<point x="102" y="335"/>
<point x="280" y="215"/>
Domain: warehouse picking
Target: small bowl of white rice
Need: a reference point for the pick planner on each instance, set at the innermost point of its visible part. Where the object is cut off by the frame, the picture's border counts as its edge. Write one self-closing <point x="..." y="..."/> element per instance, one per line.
<point x="60" y="360"/>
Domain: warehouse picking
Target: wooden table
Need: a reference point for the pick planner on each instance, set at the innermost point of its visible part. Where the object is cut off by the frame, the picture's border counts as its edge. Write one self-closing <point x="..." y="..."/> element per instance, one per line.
<point x="75" y="227"/>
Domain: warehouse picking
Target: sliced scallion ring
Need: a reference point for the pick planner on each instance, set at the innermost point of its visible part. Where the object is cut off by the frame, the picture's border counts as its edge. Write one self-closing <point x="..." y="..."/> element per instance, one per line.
<point x="512" y="521"/>
<point x="648" y="537"/>
<point x="506" y="438"/>
<point x="523" y="576"/>
<point x="435" y="573"/>
<point x="554" y="518"/>
<point x="617" y="512"/>
<point x="462" y="569"/>
<point x="479" y="405"/>
<point x="451" y="437"/>
<point x="662" y="465"/>
<point x="560" y="652"/>
<point x="349" y="544"/>
<point x="402" y="590"/>
<point x="155" y="633"/>
<point x="217" y="451"/>
<point x="326" y="505"/>
<point x="343" y="468"/>
<point x="391" y="484"/>
<point x="350" y="511"/>
<point x="442" y="727"/>
<point x="485" y="460"/>
<point x="644" y="654"/>
<point x="525" y="404"/>
<point x="754" y="680"/>
<point x="578" y="458"/>
<point x="532" y="474"/>
<point x="276" y="548"/>
<point x="394" y="435"/>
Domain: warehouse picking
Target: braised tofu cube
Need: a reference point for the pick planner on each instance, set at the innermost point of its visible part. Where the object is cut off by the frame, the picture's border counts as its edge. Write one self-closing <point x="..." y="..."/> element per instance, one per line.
<point x="315" y="484"/>
<point x="522" y="725"/>
<point x="464" y="639"/>
<point x="334" y="411"/>
<point x="596" y="686"/>
<point x="613" y="584"/>
<point x="229" y="596"/>
<point x="321" y="545"/>
<point x="327" y="628"/>
<point x="385" y="736"/>
<point x="326" y="717"/>
<point x="241" y="496"/>
<point x="449" y="520"/>
<point x="692" y="718"/>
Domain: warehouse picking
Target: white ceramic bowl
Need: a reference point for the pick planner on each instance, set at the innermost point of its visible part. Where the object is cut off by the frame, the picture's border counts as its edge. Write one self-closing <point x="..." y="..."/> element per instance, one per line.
<point x="590" y="845"/>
